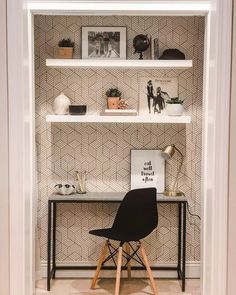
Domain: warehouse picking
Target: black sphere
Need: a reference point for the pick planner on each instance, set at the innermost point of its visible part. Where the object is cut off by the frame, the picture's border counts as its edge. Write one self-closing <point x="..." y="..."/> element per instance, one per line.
<point x="141" y="43"/>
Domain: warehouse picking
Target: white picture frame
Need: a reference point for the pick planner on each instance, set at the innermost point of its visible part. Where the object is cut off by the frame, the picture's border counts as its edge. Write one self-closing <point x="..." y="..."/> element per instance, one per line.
<point x="147" y="169"/>
<point x="103" y="42"/>
<point x="154" y="92"/>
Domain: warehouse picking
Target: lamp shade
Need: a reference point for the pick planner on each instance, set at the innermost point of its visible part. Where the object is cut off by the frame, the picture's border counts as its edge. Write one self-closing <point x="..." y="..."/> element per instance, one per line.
<point x="168" y="152"/>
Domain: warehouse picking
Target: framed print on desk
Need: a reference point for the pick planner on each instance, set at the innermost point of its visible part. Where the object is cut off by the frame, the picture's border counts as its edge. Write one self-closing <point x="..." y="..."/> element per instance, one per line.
<point x="103" y="43"/>
<point x="147" y="169"/>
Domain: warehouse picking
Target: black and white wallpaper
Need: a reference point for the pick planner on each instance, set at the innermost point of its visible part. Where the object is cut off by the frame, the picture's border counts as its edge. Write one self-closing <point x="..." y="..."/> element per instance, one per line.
<point x="103" y="150"/>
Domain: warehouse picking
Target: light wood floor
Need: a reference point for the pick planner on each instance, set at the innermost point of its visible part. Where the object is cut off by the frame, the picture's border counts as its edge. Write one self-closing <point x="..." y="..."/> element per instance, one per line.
<point x="107" y="287"/>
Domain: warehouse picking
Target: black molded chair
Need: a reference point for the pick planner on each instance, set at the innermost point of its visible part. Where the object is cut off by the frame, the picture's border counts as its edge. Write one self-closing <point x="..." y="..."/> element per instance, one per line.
<point x="136" y="218"/>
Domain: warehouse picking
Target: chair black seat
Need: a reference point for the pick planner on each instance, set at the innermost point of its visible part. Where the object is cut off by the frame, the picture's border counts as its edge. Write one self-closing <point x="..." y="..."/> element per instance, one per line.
<point x="135" y="219"/>
<point x="112" y="234"/>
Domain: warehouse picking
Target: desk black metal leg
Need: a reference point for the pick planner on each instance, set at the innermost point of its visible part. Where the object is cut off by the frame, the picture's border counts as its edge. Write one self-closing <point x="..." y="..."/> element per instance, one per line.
<point x="49" y="247"/>
<point x="179" y="239"/>
<point x="54" y="239"/>
<point x="184" y="246"/>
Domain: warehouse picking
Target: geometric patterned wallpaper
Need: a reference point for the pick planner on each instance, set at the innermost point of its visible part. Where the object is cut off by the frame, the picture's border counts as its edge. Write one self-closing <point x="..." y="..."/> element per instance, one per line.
<point x="103" y="150"/>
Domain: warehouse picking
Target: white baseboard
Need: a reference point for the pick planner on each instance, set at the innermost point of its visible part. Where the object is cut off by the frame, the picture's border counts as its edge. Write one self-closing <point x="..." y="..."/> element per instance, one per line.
<point x="192" y="271"/>
<point x="38" y="273"/>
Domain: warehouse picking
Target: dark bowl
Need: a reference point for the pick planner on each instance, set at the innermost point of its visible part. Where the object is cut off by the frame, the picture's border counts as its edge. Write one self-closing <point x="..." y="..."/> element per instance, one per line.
<point x="77" y="109"/>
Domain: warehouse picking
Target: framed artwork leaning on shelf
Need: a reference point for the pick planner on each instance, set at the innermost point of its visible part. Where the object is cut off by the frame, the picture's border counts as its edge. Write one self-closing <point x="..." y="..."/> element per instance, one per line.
<point x="103" y="43"/>
<point x="154" y="92"/>
<point x="147" y="169"/>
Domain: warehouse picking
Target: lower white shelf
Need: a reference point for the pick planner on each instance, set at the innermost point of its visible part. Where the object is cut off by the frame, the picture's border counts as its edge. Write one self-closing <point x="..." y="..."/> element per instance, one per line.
<point x="118" y="119"/>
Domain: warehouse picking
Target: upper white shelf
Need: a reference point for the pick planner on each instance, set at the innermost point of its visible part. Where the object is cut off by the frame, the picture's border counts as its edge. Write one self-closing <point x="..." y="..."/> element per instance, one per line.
<point x="130" y="64"/>
<point x="118" y="119"/>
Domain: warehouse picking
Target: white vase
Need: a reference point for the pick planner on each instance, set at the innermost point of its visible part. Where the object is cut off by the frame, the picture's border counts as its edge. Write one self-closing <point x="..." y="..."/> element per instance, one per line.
<point x="61" y="104"/>
<point x="174" y="109"/>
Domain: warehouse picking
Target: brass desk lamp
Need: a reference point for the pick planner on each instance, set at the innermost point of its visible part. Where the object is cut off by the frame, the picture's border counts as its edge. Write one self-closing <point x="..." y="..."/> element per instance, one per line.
<point x="167" y="154"/>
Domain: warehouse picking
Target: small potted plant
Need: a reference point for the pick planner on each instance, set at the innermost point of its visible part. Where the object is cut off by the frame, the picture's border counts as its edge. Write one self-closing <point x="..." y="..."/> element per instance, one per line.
<point x="113" y="98"/>
<point x="174" y="107"/>
<point x="65" y="48"/>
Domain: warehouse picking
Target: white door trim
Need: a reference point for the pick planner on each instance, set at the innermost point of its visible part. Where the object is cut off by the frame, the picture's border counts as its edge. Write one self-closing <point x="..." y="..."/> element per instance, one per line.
<point x="20" y="134"/>
<point x="216" y="145"/>
<point x="232" y="172"/>
<point x="173" y="7"/>
<point x="4" y="160"/>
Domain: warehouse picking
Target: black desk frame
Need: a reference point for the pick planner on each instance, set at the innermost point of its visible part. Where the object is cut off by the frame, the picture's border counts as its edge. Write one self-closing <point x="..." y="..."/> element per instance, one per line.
<point x="51" y="243"/>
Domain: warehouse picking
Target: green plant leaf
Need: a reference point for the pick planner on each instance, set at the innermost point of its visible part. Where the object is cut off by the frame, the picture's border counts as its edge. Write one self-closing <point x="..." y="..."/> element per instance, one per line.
<point x="113" y="92"/>
<point x="66" y="43"/>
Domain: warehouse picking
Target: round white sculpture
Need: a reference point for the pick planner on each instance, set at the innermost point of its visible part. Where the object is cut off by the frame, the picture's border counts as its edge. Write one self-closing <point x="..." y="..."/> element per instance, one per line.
<point x="61" y="104"/>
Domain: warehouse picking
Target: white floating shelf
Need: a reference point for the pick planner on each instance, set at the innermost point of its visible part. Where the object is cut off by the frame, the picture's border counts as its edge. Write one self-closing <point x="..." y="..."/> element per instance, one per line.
<point x="118" y="119"/>
<point x="123" y="64"/>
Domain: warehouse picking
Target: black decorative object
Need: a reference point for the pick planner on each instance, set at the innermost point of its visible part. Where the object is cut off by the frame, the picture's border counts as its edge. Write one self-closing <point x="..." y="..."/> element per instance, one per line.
<point x="172" y="54"/>
<point x="77" y="109"/>
<point x="141" y="43"/>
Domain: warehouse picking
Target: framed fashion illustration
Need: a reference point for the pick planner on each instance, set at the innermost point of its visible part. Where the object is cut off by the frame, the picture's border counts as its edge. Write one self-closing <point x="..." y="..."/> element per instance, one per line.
<point x="154" y="92"/>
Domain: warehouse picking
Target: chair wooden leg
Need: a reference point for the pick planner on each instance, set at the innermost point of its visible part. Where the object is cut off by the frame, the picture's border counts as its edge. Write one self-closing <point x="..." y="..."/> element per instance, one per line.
<point x="149" y="271"/>
<point x="118" y="271"/>
<point x="100" y="261"/>
<point x="129" y="263"/>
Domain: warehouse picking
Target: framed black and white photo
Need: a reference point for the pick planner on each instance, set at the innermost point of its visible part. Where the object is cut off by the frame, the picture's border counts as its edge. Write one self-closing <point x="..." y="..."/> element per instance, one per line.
<point x="103" y="42"/>
<point x="147" y="169"/>
<point x="154" y="92"/>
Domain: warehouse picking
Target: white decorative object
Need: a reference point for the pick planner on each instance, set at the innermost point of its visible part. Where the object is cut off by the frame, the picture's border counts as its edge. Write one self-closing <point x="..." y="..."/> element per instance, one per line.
<point x="65" y="189"/>
<point x="147" y="169"/>
<point x="61" y="104"/>
<point x="174" y="109"/>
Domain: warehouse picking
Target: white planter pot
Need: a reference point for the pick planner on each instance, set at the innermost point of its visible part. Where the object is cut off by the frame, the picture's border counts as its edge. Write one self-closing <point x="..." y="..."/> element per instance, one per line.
<point x="174" y="109"/>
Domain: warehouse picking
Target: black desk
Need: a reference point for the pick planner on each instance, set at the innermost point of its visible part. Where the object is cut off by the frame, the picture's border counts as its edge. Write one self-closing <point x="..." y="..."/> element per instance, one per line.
<point x="112" y="198"/>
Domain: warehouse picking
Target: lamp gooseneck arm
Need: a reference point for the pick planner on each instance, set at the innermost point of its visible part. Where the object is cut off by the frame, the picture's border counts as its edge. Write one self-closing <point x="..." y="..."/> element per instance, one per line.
<point x="179" y="169"/>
